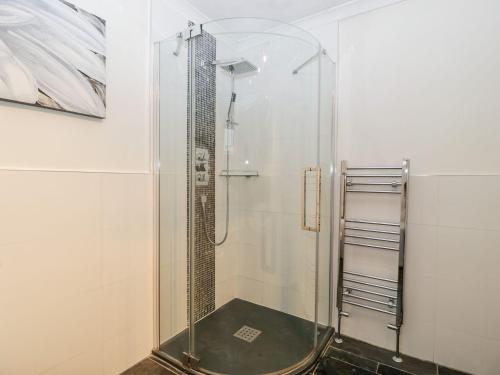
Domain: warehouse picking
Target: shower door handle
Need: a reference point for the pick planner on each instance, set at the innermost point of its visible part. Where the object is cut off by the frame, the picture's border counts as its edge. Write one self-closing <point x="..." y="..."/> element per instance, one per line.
<point x="317" y="213"/>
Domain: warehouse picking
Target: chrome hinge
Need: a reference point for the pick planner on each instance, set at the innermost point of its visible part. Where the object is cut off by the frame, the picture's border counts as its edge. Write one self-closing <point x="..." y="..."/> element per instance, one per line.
<point x="192" y="30"/>
<point x="190" y="361"/>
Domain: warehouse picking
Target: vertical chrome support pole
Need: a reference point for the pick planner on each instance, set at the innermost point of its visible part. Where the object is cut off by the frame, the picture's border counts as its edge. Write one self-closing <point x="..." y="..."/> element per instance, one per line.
<point x="405" y="170"/>
<point x="340" y="281"/>
<point x="156" y="186"/>
<point x="337" y="337"/>
<point x="192" y="194"/>
<point x="397" y="356"/>
<point x="318" y="205"/>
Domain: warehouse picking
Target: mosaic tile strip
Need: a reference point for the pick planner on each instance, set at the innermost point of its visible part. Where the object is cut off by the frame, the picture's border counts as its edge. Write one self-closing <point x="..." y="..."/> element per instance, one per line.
<point x="205" y="95"/>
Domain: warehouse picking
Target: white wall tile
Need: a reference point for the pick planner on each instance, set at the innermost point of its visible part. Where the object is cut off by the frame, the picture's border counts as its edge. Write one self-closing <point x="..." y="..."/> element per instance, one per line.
<point x="54" y="271"/>
<point x="488" y="354"/>
<point x="468" y="253"/>
<point x="88" y="362"/>
<point x="70" y="197"/>
<point x="468" y="202"/>
<point x="369" y="326"/>
<point x="418" y="339"/>
<point x="421" y="252"/>
<point x="457" y="349"/>
<point x="423" y="200"/>
<point x="250" y="289"/>
<point x="127" y="226"/>
<point x="60" y="328"/>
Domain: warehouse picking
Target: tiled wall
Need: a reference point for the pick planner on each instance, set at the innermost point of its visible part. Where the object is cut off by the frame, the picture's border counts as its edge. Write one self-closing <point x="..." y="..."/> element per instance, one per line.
<point x="430" y="95"/>
<point x="76" y="271"/>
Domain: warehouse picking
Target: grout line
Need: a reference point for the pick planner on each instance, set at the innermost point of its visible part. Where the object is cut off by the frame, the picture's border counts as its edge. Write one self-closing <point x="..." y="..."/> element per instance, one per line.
<point x="350" y="364"/>
<point x="413" y="223"/>
<point x="90" y="171"/>
<point x="457" y="174"/>
<point x="173" y="371"/>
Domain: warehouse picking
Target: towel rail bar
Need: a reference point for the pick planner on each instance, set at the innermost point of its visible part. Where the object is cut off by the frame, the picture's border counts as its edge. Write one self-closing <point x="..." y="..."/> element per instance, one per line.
<point x="373" y="191"/>
<point x="371" y="246"/>
<point x="371" y="168"/>
<point x="393" y="183"/>
<point x="388" y="296"/>
<point x="382" y="175"/>
<point x="370" y="276"/>
<point x="371" y="238"/>
<point x="370" y="307"/>
<point x="371" y="284"/>
<point x="358" y="221"/>
<point x="372" y="230"/>
<point x="347" y="294"/>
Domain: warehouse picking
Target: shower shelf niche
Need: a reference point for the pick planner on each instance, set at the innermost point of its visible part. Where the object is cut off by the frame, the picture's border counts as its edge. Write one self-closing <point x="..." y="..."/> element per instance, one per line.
<point x="239" y="173"/>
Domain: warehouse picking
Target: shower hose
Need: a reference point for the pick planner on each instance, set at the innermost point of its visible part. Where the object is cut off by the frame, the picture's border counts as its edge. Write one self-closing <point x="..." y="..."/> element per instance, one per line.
<point x="203" y="209"/>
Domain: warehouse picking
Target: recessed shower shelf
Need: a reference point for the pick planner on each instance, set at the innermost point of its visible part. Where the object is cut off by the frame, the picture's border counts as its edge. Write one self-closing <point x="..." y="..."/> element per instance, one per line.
<point x="239" y="173"/>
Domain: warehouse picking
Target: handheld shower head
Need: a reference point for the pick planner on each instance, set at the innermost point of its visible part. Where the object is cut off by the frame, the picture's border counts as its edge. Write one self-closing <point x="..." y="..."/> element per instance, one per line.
<point x="230" y="112"/>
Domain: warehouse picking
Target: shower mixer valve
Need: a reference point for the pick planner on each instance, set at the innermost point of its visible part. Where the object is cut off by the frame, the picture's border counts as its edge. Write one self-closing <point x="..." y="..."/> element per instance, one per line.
<point x="202" y="166"/>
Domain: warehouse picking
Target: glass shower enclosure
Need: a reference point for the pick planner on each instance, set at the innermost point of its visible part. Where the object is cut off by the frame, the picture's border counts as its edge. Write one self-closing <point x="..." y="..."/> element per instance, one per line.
<point x="244" y="184"/>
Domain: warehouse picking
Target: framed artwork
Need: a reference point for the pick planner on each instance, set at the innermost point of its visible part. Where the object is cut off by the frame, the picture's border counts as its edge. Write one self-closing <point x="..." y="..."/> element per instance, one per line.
<point x="53" y="55"/>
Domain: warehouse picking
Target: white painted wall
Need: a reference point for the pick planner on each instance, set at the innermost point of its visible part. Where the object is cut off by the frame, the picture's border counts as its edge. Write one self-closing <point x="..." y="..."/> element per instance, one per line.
<point x="419" y="79"/>
<point x="41" y="139"/>
<point x="76" y="249"/>
<point x="324" y="25"/>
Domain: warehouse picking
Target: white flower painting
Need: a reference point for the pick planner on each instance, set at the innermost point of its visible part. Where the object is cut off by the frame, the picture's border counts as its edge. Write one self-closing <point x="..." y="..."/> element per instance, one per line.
<point x="52" y="55"/>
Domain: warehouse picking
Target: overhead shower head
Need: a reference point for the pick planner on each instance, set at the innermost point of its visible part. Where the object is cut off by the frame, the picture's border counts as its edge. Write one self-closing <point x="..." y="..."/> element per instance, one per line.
<point x="236" y="66"/>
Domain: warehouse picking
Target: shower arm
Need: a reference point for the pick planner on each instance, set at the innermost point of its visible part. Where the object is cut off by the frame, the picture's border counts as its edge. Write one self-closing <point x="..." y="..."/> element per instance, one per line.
<point x="180" y="41"/>
<point x="307" y="62"/>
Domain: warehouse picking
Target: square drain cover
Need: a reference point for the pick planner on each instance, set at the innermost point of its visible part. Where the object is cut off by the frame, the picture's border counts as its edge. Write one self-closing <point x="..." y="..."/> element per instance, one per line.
<point x="247" y="333"/>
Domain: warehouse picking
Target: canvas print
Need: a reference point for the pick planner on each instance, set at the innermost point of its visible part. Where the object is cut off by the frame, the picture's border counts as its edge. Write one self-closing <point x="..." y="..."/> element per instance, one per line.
<point x="52" y="55"/>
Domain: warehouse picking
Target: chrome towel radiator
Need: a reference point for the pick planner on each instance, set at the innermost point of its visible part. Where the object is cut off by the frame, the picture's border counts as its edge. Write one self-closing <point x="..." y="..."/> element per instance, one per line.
<point x="373" y="292"/>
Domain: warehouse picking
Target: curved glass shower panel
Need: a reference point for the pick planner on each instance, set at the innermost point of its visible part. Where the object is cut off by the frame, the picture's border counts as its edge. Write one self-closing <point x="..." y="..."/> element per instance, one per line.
<point x="257" y="158"/>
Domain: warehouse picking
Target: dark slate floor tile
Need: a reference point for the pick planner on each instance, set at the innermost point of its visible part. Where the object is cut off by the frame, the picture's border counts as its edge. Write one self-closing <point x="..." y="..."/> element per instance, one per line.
<point x="387" y="370"/>
<point x="409" y="364"/>
<point x="147" y="367"/>
<point x="332" y="366"/>
<point x="449" y="371"/>
<point x="352" y="359"/>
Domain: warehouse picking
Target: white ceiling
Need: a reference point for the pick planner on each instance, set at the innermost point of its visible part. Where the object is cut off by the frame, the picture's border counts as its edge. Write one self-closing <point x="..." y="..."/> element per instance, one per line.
<point x="283" y="10"/>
